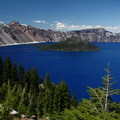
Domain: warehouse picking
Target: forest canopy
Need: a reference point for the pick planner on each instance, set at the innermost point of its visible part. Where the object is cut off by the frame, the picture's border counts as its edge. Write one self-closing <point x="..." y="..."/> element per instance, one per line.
<point x="27" y="93"/>
<point x="71" y="44"/>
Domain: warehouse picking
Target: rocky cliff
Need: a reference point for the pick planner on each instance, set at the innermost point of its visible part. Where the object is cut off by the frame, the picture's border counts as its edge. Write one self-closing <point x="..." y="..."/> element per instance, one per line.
<point x="98" y="35"/>
<point x="16" y="33"/>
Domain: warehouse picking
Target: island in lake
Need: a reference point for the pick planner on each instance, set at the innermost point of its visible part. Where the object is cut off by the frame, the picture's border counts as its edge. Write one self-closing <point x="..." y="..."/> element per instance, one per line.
<point x="71" y="44"/>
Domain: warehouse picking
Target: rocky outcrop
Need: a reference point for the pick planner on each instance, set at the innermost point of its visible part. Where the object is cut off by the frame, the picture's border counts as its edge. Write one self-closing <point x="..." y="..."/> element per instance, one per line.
<point x="16" y="33"/>
<point x="98" y="35"/>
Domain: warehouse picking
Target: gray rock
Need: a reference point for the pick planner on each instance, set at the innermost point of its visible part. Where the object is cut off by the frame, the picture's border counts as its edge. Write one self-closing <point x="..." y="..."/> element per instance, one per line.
<point x="16" y="33"/>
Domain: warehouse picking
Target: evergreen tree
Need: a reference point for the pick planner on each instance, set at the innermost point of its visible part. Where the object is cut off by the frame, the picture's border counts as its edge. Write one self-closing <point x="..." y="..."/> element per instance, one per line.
<point x="40" y="103"/>
<point x="40" y="80"/>
<point x="11" y="98"/>
<point x="48" y="94"/>
<point x="27" y="77"/>
<point x="25" y="92"/>
<point x="22" y="108"/>
<point x="100" y="106"/>
<point x="7" y="65"/>
<point x="31" y="79"/>
<point x="20" y="74"/>
<point x="86" y="111"/>
<point x="3" y="92"/>
<point x="48" y="99"/>
<point x="101" y="97"/>
<point x="1" y="71"/>
<point x="14" y="75"/>
<point x="10" y="102"/>
<point x="31" y="109"/>
<point x="47" y="81"/>
<point x="62" y="97"/>
<point x="34" y="81"/>
<point x="74" y="100"/>
<point x="51" y="97"/>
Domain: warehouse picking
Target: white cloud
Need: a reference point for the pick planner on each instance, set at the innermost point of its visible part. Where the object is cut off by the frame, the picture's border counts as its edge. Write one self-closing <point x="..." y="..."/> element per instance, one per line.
<point x="1" y="22"/>
<point x="39" y="21"/>
<point x="66" y="27"/>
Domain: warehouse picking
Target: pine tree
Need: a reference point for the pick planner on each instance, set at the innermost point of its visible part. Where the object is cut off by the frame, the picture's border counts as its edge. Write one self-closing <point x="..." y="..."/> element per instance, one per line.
<point x="21" y="74"/>
<point x="10" y="101"/>
<point x="14" y="75"/>
<point x="101" y="97"/>
<point x="48" y="98"/>
<point x="34" y="81"/>
<point x="27" y="77"/>
<point x="48" y="94"/>
<point x="74" y="100"/>
<point x="47" y="81"/>
<point x="62" y="97"/>
<point x="7" y="65"/>
<point x="3" y="92"/>
<point x="40" y="103"/>
<point x="51" y="97"/>
<point x="1" y="71"/>
<point x="22" y="108"/>
<point x="32" y="103"/>
<point x="40" y="80"/>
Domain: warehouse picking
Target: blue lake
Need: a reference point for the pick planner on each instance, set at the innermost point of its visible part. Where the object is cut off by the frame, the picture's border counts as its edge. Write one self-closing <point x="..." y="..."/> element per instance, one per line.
<point x="77" y="69"/>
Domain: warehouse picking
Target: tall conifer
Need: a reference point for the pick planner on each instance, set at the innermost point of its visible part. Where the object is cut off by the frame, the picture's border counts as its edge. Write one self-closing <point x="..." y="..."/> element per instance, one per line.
<point x="62" y="97"/>
<point x="34" y="81"/>
<point x="1" y="71"/>
<point x="7" y="65"/>
<point x="27" y="77"/>
<point x="14" y="75"/>
<point x="20" y="74"/>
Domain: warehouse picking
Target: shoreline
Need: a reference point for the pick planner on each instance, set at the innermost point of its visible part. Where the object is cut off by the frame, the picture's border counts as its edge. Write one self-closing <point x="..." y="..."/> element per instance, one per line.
<point x="13" y="44"/>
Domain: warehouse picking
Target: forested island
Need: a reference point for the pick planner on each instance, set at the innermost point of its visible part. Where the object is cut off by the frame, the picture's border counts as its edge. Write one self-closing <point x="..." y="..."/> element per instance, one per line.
<point x="24" y="94"/>
<point x="71" y="44"/>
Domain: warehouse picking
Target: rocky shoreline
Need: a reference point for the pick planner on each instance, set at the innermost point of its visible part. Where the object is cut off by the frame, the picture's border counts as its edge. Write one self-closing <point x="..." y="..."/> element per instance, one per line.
<point x="21" y="43"/>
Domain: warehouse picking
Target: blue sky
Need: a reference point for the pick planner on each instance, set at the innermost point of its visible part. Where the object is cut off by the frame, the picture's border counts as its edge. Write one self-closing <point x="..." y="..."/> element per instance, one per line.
<point x="63" y="14"/>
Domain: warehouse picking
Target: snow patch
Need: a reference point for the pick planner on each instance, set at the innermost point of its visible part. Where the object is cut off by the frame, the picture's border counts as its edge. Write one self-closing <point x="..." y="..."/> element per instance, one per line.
<point x="6" y="25"/>
<point x="24" y="25"/>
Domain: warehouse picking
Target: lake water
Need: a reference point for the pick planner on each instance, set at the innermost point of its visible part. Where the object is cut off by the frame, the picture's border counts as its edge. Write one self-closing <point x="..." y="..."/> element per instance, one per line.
<point x="77" y="69"/>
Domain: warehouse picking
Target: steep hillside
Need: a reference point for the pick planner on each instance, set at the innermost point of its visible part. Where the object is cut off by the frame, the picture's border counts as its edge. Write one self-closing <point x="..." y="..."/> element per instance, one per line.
<point x="16" y="33"/>
<point x="98" y="35"/>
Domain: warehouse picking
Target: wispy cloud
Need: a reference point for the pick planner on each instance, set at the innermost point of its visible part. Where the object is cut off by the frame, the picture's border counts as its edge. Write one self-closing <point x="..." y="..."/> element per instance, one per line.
<point x="1" y="22"/>
<point x="66" y="27"/>
<point x="39" y="21"/>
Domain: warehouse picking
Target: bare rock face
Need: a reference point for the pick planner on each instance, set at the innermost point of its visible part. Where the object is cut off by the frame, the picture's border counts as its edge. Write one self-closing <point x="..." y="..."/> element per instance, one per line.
<point x="98" y="35"/>
<point x="16" y="33"/>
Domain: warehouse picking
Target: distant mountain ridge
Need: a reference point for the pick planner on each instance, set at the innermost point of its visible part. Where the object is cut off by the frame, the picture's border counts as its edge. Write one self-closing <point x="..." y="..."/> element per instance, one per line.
<point x="16" y="33"/>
